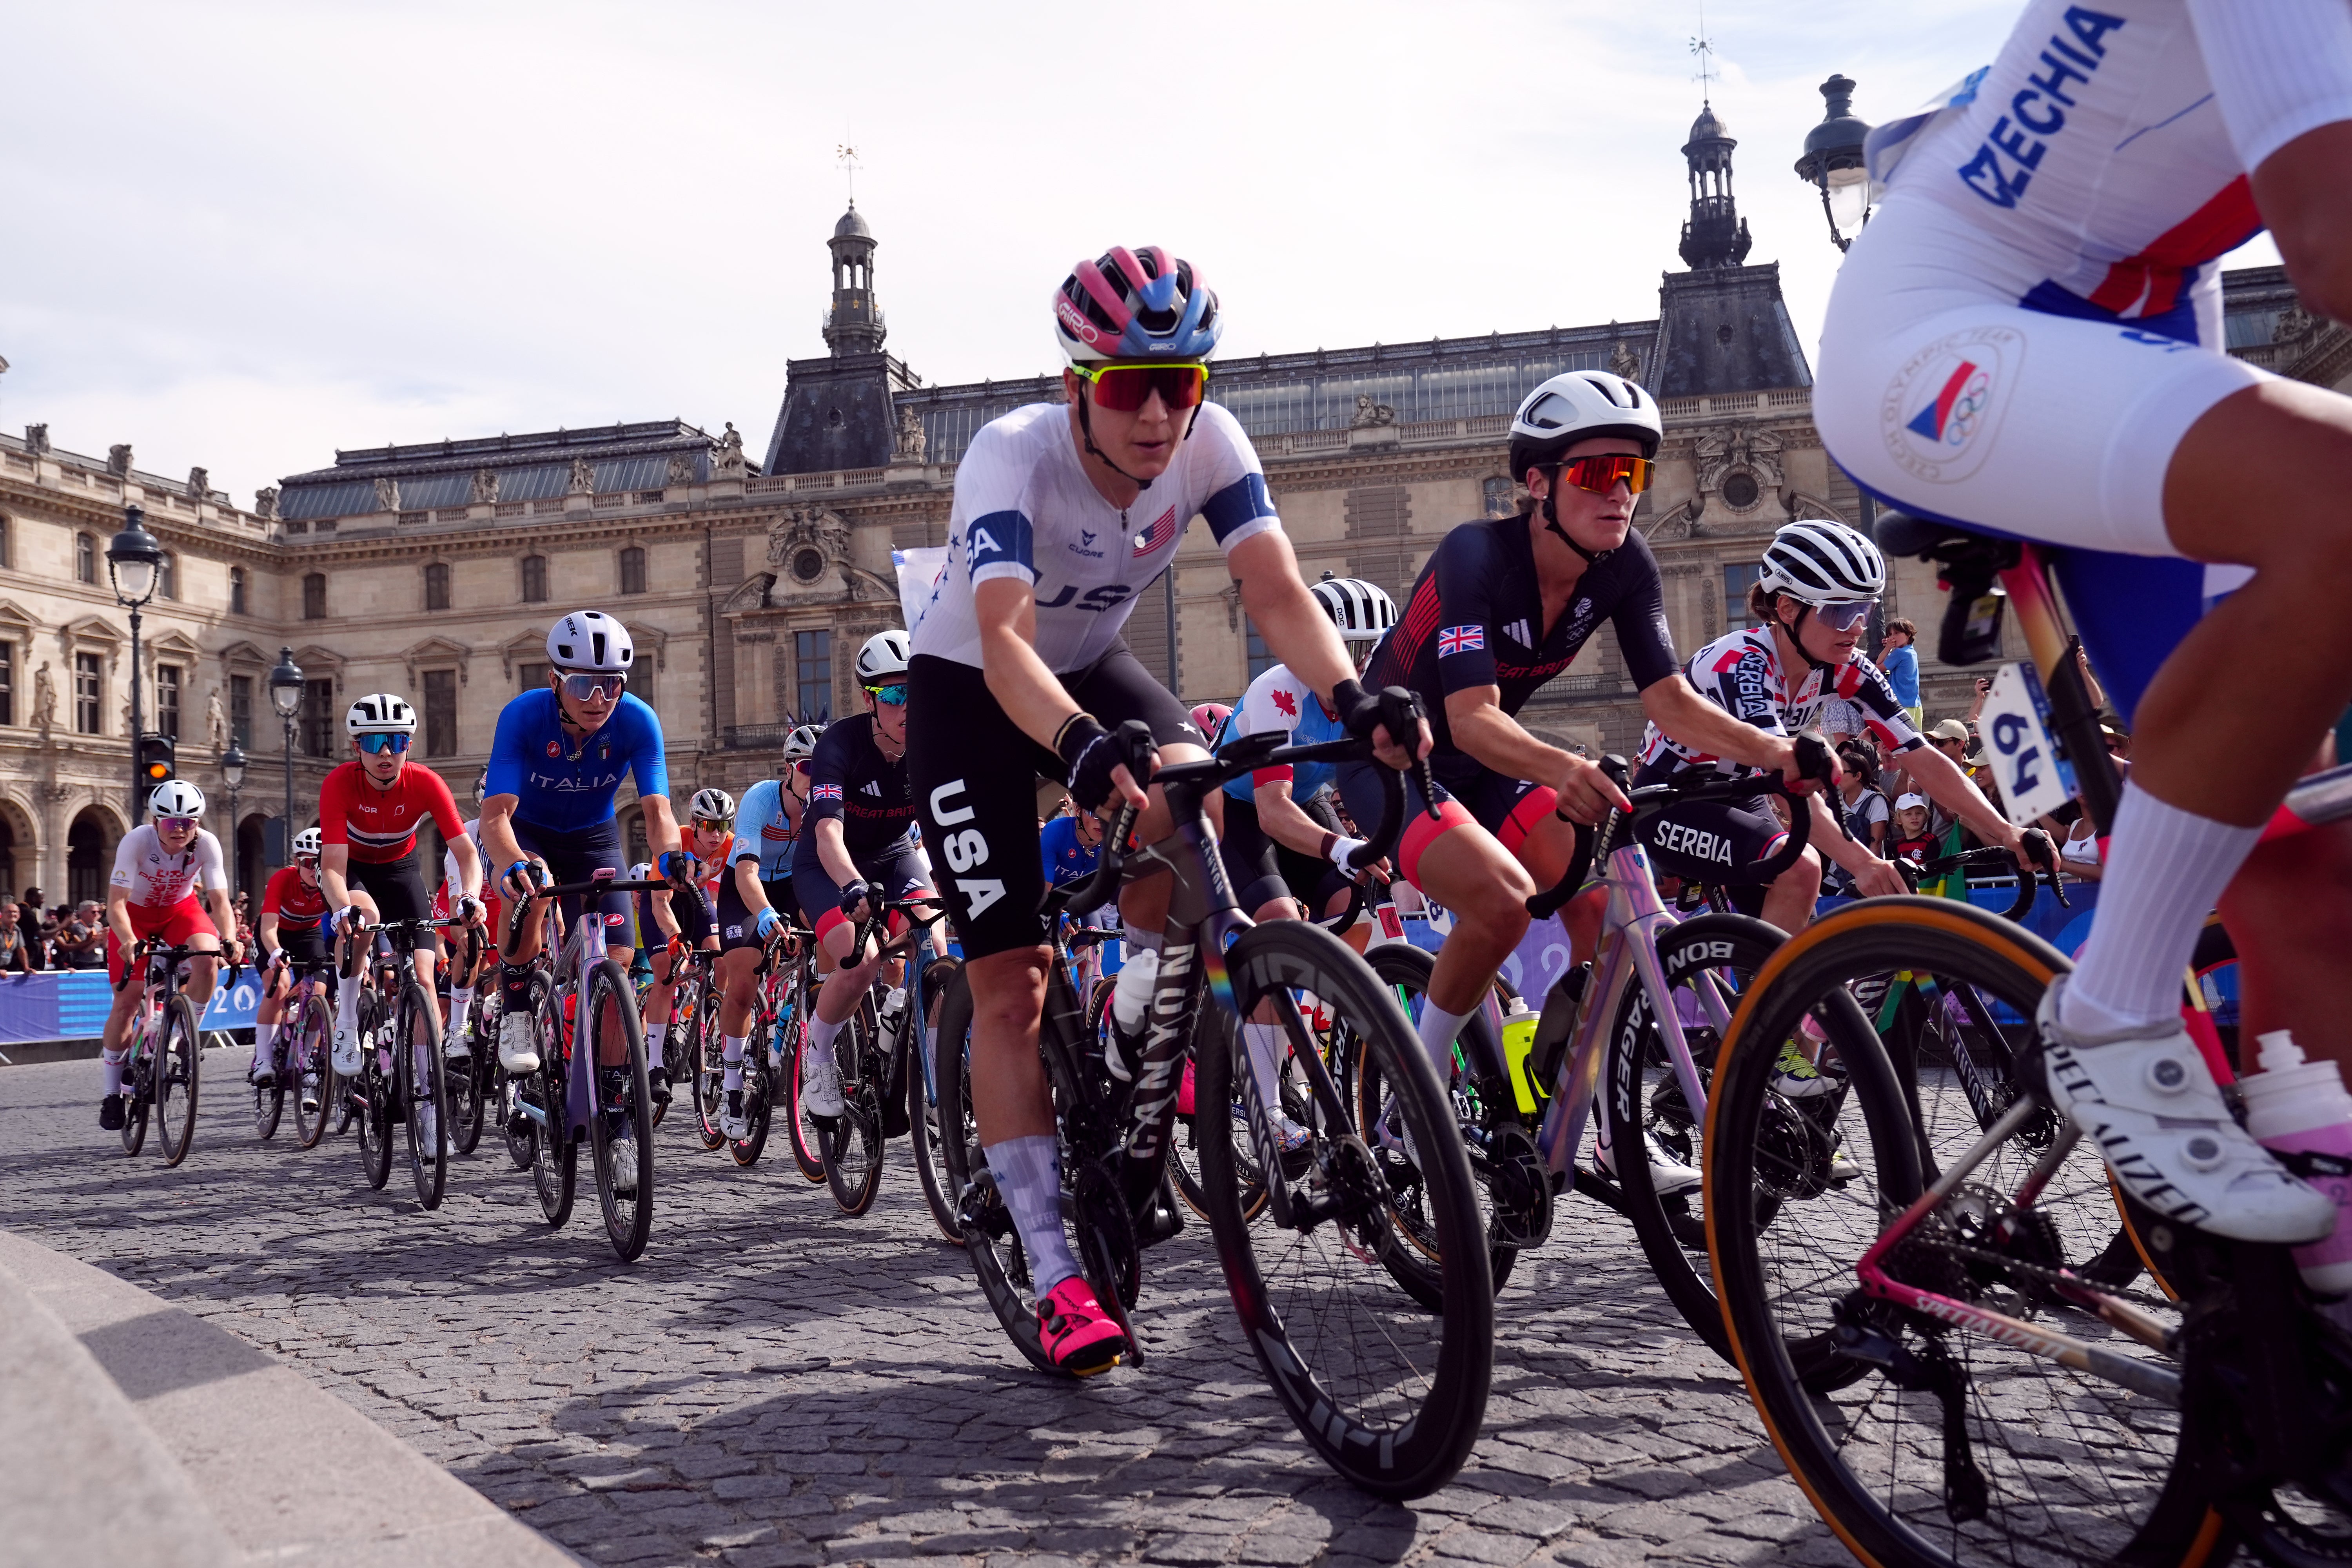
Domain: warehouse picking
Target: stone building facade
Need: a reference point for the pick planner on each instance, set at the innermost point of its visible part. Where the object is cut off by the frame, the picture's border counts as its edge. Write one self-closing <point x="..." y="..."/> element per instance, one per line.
<point x="434" y="569"/>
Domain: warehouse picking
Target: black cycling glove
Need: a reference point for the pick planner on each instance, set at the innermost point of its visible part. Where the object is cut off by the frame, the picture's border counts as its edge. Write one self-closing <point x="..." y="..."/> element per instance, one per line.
<point x="853" y="893"/>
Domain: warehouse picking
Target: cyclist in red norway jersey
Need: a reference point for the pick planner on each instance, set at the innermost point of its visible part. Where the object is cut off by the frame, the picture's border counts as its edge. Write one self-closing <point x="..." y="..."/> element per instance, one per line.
<point x="293" y="907"/>
<point x="160" y="868"/>
<point x="2026" y="341"/>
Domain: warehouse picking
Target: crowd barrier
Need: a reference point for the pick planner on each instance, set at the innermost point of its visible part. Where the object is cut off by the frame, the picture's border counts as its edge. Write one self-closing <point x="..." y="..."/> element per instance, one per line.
<point x="72" y="1005"/>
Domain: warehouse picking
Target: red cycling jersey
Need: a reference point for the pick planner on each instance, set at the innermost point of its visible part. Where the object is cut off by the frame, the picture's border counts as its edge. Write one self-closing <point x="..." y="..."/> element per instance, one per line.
<point x="297" y="906"/>
<point x="380" y="825"/>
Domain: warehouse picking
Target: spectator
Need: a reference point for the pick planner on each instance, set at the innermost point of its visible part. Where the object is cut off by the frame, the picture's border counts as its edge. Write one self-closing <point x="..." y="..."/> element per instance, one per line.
<point x="81" y="940"/>
<point x="12" y="939"/>
<point x="1913" y="841"/>
<point x="1841" y="722"/>
<point x="1902" y="667"/>
<point x="28" y="918"/>
<point x="1865" y="807"/>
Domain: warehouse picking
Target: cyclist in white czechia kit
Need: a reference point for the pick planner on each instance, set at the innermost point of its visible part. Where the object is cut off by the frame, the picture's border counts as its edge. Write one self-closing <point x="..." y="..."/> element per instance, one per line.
<point x="1063" y="514"/>
<point x="2027" y="341"/>
<point x="159" y="869"/>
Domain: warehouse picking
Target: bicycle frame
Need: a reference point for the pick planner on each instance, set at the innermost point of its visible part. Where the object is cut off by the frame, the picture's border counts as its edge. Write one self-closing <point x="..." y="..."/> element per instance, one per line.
<point x="582" y="949"/>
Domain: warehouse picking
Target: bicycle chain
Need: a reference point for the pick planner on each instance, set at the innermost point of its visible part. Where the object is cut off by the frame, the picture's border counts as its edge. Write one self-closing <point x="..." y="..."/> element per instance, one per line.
<point x="2048" y="1276"/>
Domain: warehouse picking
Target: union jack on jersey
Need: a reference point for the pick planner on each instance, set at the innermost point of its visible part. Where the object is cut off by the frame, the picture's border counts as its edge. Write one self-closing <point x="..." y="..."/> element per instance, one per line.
<point x="825" y="791"/>
<point x="1460" y="639"/>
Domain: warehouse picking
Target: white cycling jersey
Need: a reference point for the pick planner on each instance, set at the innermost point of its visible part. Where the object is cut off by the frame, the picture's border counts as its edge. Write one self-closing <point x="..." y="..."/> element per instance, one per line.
<point x="449" y="860"/>
<point x="1025" y="509"/>
<point x="158" y="878"/>
<point x="1741" y="674"/>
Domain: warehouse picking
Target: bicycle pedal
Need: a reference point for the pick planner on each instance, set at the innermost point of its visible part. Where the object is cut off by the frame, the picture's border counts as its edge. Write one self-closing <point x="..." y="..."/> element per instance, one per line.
<point x="1158" y="1223"/>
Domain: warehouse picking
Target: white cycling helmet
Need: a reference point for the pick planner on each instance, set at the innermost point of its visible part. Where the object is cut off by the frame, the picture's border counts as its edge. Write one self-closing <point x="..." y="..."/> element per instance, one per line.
<point x="310" y="841"/>
<point x="800" y="743"/>
<point x="1362" y="611"/>
<point x="176" y="797"/>
<point x="378" y="713"/>
<point x="712" y="805"/>
<point x="884" y="658"/>
<point x="1817" y="561"/>
<point x="1577" y="406"/>
<point x="592" y="642"/>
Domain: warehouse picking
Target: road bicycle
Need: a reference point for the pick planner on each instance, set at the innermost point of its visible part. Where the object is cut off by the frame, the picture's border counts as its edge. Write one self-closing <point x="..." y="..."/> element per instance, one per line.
<point x="166" y="1052"/>
<point x="881" y="1098"/>
<point x="403" y="1079"/>
<point x="758" y="1070"/>
<point x="1944" y="1352"/>
<point x="1389" y="1392"/>
<point x="583" y="1012"/>
<point x="306" y="1034"/>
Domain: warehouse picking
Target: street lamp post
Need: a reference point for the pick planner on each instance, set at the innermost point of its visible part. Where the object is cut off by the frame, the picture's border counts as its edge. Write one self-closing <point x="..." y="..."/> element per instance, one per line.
<point x="286" y="696"/>
<point x="1834" y="162"/>
<point x="132" y="560"/>
<point x="233" y="765"/>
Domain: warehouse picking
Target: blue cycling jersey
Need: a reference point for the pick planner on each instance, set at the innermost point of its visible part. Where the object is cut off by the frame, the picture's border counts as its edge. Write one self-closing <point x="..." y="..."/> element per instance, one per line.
<point x="554" y="787"/>
<point x="1279" y="700"/>
<point x="1066" y="860"/>
<point x="761" y="828"/>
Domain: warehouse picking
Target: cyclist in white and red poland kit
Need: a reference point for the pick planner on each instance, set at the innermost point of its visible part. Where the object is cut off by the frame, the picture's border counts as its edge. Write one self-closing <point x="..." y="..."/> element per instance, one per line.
<point x="1063" y="513"/>
<point x="2027" y="340"/>
<point x="158" y="869"/>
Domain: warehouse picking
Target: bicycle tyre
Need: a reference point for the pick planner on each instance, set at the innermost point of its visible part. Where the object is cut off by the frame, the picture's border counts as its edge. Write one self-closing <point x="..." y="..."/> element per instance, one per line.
<point x="1430" y="1413"/>
<point x="708" y="1080"/>
<point x="419" y="1092"/>
<point x="983" y="1220"/>
<point x="759" y="1102"/>
<point x="853" y="1148"/>
<point x="1185" y="1141"/>
<point x="469" y="1089"/>
<point x="1673" y="1238"/>
<point x="314" y="1027"/>
<point x="806" y="1137"/>
<point x="136" y="1092"/>
<point x="371" y="1097"/>
<point x="623" y="1131"/>
<point x="930" y="1143"/>
<point x="1903" y="1519"/>
<point x="179" y="1068"/>
<point x="555" y="1158"/>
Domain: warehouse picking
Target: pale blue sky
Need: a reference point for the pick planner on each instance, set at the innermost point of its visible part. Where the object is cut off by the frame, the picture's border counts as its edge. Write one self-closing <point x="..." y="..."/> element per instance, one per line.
<point x="243" y="235"/>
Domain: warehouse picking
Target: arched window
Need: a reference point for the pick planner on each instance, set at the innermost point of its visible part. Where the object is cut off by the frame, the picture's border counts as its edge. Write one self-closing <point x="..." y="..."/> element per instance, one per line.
<point x="633" y="570"/>
<point x="1498" y="497"/>
<point x="237" y="590"/>
<point x="314" y="596"/>
<point x="534" y="579"/>
<point x="437" y="585"/>
<point x="85" y="558"/>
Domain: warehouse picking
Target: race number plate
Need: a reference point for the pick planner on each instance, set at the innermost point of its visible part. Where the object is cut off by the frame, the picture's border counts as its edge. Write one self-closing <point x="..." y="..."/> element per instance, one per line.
<point x="2015" y="731"/>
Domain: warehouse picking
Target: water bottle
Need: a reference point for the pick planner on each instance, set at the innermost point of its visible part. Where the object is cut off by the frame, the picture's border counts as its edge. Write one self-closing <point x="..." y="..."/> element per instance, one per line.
<point x="1518" y="1040"/>
<point x="2298" y="1106"/>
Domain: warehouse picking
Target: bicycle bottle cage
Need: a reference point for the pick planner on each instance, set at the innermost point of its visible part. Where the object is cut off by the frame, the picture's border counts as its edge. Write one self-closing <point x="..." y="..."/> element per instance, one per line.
<point x="1968" y="565"/>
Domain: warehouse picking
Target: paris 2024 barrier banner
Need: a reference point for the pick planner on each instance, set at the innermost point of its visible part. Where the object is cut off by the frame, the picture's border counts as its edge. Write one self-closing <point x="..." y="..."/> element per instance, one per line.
<point x="72" y="1005"/>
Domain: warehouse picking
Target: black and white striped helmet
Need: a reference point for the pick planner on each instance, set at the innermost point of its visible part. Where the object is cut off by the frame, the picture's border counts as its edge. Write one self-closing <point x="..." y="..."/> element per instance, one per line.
<point x="378" y="713"/>
<point x="1362" y="611"/>
<point x="1817" y="561"/>
<point x="592" y="642"/>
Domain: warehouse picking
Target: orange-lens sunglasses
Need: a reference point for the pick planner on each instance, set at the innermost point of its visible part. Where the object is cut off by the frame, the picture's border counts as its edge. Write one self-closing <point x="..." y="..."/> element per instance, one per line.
<point x="1602" y="472"/>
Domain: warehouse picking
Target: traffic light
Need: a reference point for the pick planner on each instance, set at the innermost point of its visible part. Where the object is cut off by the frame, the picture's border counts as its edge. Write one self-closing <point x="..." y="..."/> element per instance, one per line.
<point x="155" y="761"/>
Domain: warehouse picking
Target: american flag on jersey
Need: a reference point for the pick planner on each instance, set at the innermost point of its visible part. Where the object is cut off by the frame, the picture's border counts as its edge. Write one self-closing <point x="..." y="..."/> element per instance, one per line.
<point x="825" y="791"/>
<point x="1162" y="532"/>
<point x="1460" y="639"/>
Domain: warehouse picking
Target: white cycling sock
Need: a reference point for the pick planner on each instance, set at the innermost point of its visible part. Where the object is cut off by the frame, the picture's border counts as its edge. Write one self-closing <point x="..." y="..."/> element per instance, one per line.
<point x="1266" y="1050"/>
<point x="265" y="1045"/>
<point x="1029" y="1173"/>
<point x="821" y="1036"/>
<point x="1132" y="994"/>
<point x="1438" y="1027"/>
<point x="114" y="1062"/>
<point x="347" y="1007"/>
<point x="653" y="1038"/>
<point x="730" y="1047"/>
<point x="461" y="997"/>
<point x="2165" y="869"/>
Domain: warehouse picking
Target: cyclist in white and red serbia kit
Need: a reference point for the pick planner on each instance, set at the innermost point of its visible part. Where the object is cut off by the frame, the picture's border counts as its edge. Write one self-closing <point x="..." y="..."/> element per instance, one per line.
<point x="159" y="868"/>
<point x="2027" y="341"/>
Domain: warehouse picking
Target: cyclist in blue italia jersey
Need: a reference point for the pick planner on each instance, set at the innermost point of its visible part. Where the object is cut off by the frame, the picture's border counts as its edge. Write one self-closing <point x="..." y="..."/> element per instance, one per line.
<point x="557" y="760"/>
<point x="2027" y="341"/>
<point x="1065" y="513"/>
<point x="756" y="893"/>
<point x="1069" y="848"/>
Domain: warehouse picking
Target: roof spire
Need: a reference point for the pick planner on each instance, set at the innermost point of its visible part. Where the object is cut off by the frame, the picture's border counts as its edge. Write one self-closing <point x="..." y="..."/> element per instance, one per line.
<point x="1704" y="49"/>
<point x="845" y="154"/>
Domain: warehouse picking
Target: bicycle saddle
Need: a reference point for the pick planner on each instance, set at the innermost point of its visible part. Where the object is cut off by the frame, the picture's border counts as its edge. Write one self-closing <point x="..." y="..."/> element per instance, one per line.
<point x="1902" y="533"/>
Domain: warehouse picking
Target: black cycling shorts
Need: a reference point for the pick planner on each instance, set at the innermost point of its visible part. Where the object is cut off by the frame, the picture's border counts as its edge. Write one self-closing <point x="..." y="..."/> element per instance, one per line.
<point x="303" y="945"/>
<point x="397" y="886"/>
<point x="693" y="916"/>
<point x="738" y="926"/>
<point x="893" y="873"/>
<point x="1262" y="870"/>
<point x="575" y="857"/>
<point x="974" y="773"/>
<point x="1715" y="842"/>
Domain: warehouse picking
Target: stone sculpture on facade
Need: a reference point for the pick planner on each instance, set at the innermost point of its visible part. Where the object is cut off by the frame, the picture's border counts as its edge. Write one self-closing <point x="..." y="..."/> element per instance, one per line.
<point x="681" y="469"/>
<point x="1623" y="364"/>
<point x="1739" y="446"/>
<point x="37" y="438"/>
<point x="1370" y="415"/>
<point x="387" y="495"/>
<point x="582" y="482"/>
<point x="265" y="503"/>
<point x="45" y="698"/>
<point x="485" y="486"/>
<point x="118" y="459"/>
<point x="200" y="484"/>
<point x="911" y="442"/>
<point x="215" y="722"/>
<point x="727" y="463"/>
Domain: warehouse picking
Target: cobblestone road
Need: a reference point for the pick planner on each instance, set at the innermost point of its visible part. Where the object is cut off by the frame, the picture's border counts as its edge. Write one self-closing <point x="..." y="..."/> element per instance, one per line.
<point x="776" y="1385"/>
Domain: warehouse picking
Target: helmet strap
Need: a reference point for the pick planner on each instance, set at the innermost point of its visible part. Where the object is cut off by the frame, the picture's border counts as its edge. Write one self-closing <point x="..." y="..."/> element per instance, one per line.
<point x="1087" y="429"/>
<point x="1552" y="522"/>
<point x="1797" y="635"/>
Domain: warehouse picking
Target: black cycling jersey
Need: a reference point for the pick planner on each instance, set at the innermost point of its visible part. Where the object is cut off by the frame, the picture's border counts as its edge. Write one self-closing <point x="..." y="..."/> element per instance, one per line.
<point x="1475" y="618"/>
<point x="850" y="779"/>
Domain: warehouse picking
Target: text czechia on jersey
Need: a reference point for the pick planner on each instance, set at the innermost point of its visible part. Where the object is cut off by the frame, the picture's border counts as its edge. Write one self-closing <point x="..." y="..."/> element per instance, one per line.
<point x="1942" y="412"/>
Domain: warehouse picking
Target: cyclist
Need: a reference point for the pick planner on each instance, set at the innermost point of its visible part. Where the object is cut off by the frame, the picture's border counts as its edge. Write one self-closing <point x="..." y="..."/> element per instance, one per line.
<point x="159" y="868"/>
<point x="1503" y="605"/>
<point x="1063" y="513"/>
<point x="2027" y="340"/>
<point x="710" y="842"/>
<point x="758" y="892"/>
<point x="557" y="760"/>
<point x="858" y="846"/>
<point x="293" y="906"/>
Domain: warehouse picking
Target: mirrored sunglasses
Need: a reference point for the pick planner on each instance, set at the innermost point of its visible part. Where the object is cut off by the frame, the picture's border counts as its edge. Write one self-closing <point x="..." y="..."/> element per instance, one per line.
<point x="1844" y="616"/>
<point x="582" y="687"/>
<point x="389" y="740"/>
<point x="893" y="695"/>
<point x="1124" y="388"/>
<point x="175" y="824"/>
<point x="307" y="862"/>
<point x="1604" y="471"/>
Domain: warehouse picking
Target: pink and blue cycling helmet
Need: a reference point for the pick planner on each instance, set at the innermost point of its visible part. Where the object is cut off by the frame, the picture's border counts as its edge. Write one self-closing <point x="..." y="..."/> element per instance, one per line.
<point x="1135" y="305"/>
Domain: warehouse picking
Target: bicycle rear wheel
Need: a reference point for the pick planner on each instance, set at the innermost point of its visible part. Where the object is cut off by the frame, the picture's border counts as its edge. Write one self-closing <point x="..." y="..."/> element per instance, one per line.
<point x="138" y="1091"/>
<point x="424" y="1088"/>
<point x="759" y="1101"/>
<point x="807" y="1137"/>
<point x="470" y="1090"/>
<point x="1389" y="1392"/>
<point x="707" y="1077"/>
<point x="1923" y="1440"/>
<point x="310" y="1026"/>
<point x="853" y="1148"/>
<point x="555" y="1158"/>
<point x="179" y="1065"/>
<point x="621" y="1132"/>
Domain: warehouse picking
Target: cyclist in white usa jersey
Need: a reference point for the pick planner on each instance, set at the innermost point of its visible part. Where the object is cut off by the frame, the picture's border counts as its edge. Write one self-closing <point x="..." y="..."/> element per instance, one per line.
<point x="2026" y="341"/>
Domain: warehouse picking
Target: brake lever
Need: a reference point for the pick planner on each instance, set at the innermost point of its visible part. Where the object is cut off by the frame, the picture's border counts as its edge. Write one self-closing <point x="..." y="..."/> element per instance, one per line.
<point x="1400" y="715"/>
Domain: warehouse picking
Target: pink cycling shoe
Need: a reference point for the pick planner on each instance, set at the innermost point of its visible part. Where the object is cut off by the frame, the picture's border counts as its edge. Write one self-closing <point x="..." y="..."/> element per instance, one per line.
<point x="1078" y="1333"/>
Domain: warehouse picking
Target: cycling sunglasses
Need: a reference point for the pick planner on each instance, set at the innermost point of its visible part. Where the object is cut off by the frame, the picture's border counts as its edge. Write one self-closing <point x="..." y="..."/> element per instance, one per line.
<point x="1604" y="471"/>
<point x="1844" y="616"/>
<point x="307" y="862"/>
<point x="715" y="824"/>
<point x="583" y="687"/>
<point x="893" y="695"/>
<point x="1124" y="388"/>
<point x="375" y="745"/>
<point x="175" y="824"/>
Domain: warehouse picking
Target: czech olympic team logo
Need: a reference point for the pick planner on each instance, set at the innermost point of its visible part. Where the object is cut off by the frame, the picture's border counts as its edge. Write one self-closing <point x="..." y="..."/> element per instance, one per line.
<point x="1942" y="411"/>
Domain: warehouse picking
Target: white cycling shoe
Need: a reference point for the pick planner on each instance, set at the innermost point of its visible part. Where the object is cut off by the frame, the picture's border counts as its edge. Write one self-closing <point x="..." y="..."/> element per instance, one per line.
<point x="1668" y="1175"/>
<point x="819" y="1083"/>
<point x="518" y="1053"/>
<point x="624" y="1155"/>
<point x="346" y="1054"/>
<point x="2151" y="1105"/>
<point x="733" y="1123"/>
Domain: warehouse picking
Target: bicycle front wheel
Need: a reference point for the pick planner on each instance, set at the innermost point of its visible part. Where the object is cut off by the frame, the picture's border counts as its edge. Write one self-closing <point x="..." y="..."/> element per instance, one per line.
<point x="373" y="1096"/>
<point x="621" y="1131"/>
<point x="179" y="1063"/>
<point x="807" y="1138"/>
<point x="1922" y="1438"/>
<point x="470" y="1086"/>
<point x="1389" y="1392"/>
<point x="853" y="1149"/>
<point x="706" y="1047"/>
<point x="424" y="1083"/>
<point x="311" y="1024"/>
<point x="555" y="1158"/>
